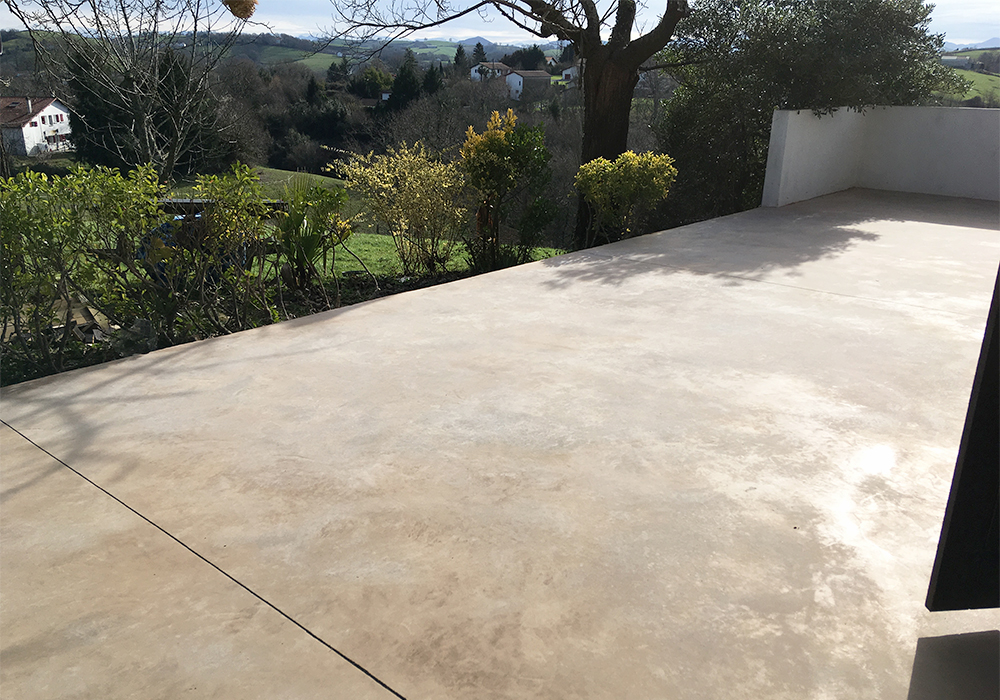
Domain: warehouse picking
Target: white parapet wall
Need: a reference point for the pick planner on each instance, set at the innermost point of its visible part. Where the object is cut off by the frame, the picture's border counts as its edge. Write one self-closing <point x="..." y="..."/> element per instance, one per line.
<point x="952" y="151"/>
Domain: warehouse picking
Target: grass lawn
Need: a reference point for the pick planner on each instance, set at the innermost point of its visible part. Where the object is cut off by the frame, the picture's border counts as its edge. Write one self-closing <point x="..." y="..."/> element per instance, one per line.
<point x="379" y="254"/>
<point x="59" y="164"/>
<point x="443" y="50"/>
<point x="273" y="181"/>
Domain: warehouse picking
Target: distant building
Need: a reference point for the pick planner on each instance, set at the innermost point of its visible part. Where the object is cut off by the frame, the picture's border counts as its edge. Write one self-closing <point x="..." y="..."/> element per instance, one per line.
<point x="527" y="81"/>
<point x="489" y="69"/>
<point x="963" y="62"/>
<point x="33" y="125"/>
<point x="571" y="74"/>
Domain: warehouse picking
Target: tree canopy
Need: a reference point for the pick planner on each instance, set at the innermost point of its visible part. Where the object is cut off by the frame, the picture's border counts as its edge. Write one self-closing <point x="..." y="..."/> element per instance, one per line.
<point x="461" y="60"/>
<point x="601" y="33"/>
<point x="406" y="86"/>
<point x="528" y="59"/>
<point x="736" y="62"/>
<point x="140" y="74"/>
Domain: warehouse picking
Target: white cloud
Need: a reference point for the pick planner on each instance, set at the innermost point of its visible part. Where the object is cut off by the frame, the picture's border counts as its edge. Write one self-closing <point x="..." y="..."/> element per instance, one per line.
<point x="962" y="21"/>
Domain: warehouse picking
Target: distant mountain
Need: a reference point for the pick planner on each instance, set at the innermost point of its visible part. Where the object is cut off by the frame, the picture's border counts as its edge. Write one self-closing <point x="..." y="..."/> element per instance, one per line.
<point x="477" y="40"/>
<point x="992" y="43"/>
<point x="988" y="44"/>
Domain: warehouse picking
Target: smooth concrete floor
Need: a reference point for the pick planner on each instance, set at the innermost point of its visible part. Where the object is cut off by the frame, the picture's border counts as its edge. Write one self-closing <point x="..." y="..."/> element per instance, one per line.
<point x="707" y="463"/>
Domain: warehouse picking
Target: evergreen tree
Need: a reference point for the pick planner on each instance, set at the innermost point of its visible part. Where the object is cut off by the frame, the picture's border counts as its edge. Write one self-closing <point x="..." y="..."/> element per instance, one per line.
<point x="478" y="54"/>
<point x="370" y="83"/>
<point x="338" y="74"/>
<point x="461" y="60"/>
<point x="432" y="81"/>
<point x="173" y="126"/>
<point x="314" y="92"/>
<point x="526" y="59"/>
<point x="406" y="86"/>
<point x="143" y="81"/>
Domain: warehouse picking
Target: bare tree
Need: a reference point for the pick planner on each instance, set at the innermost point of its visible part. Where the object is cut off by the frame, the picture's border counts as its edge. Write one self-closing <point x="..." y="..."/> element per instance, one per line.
<point x="611" y="67"/>
<point x="139" y="73"/>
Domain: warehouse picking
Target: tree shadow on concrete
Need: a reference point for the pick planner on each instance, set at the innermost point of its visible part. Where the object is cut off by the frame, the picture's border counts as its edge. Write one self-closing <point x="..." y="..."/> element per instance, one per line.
<point x="752" y="245"/>
<point x="90" y="404"/>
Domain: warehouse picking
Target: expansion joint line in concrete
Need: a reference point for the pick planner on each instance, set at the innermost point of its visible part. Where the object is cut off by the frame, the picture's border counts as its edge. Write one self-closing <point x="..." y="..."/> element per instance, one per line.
<point x="215" y="566"/>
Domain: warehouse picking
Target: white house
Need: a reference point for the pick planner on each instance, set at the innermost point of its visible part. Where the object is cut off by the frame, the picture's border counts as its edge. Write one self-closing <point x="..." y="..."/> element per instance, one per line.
<point x="532" y="80"/>
<point x="571" y="74"/>
<point x="489" y="69"/>
<point x="33" y="125"/>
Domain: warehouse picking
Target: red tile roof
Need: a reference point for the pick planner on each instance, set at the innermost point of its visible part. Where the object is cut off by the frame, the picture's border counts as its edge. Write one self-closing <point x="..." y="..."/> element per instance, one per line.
<point x="14" y="110"/>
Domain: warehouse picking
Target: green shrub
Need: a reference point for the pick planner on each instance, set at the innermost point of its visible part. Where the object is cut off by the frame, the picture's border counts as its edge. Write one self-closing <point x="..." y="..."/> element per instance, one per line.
<point x="60" y="237"/>
<point x="507" y="165"/>
<point x="91" y="268"/>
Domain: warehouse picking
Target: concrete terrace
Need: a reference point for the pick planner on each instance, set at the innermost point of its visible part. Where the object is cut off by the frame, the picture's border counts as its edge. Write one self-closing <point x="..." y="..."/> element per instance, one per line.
<point x="708" y="463"/>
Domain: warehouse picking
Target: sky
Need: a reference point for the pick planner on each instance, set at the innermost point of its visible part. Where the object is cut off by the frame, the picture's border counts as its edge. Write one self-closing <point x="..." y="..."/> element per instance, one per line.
<point x="961" y="21"/>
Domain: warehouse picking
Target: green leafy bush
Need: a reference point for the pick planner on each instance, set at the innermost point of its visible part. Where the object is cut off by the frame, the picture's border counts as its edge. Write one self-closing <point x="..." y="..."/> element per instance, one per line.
<point x="62" y="238"/>
<point x="507" y="165"/>
<point x="740" y="61"/>
<point x="91" y="268"/>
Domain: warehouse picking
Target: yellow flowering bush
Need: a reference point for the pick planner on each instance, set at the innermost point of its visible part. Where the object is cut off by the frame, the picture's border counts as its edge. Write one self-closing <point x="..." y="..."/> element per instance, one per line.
<point x="486" y="156"/>
<point x="417" y="198"/>
<point x="615" y="191"/>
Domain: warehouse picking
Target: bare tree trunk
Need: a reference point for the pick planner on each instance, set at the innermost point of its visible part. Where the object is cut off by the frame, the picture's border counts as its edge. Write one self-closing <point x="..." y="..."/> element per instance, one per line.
<point x="608" y="85"/>
<point x="607" y="97"/>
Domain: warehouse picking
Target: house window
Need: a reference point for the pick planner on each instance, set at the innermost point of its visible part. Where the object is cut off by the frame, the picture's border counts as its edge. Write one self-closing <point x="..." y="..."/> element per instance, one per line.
<point x="34" y="123"/>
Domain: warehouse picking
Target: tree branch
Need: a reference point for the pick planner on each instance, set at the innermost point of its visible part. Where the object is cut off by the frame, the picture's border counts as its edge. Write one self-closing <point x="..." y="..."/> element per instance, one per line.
<point x="622" y="31"/>
<point x="668" y="66"/>
<point x="646" y="45"/>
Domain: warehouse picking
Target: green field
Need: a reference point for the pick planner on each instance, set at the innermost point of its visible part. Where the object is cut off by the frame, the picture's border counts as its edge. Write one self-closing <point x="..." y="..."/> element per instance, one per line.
<point x="983" y="85"/>
<point x="972" y="53"/>
<point x="317" y="62"/>
<point x="432" y="50"/>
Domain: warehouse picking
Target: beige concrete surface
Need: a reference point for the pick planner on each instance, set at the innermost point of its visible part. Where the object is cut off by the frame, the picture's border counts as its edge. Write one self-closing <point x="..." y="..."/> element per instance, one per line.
<point x="707" y="463"/>
<point x="97" y="603"/>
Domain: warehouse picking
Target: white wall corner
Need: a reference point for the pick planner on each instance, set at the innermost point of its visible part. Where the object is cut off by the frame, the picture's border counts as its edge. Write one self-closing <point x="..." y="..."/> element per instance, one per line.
<point x="775" y="159"/>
